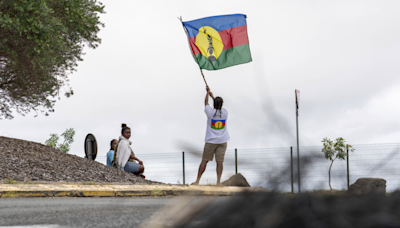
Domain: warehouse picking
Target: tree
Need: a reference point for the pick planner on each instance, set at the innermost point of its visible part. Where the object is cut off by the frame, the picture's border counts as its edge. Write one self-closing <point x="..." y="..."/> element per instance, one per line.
<point x="68" y="140"/>
<point x="335" y="150"/>
<point x="41" y="42"/>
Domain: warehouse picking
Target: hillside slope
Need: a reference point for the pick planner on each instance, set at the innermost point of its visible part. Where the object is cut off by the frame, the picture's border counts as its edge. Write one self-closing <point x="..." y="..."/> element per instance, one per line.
<point x="29" y="161"/>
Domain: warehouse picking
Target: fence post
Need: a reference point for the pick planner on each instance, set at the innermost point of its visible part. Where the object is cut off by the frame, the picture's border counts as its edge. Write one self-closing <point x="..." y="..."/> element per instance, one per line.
<point x="297" y="132"/>
<point x="235" y="161"/>
<point x="183" y="165"/>
<point x="298" y="166"/>
<point x="348" y="172"/>
<point x="291" y="167"/>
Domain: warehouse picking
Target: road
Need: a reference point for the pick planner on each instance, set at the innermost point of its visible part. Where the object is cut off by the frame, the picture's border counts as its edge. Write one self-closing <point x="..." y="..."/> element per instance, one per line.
<point x="78" y="212"/>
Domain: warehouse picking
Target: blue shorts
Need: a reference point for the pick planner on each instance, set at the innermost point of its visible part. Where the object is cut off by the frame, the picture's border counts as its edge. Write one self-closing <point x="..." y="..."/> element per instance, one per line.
<point x="132" y="167"/>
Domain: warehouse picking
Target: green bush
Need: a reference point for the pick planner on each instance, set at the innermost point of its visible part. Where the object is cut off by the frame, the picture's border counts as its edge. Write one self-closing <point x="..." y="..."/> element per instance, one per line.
<point x="68" y="140"/>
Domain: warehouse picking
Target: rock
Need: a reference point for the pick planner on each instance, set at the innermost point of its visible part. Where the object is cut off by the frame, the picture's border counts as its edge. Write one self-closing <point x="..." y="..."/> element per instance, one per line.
<point x="236" y="180"/>
<point x="368" y="185"/>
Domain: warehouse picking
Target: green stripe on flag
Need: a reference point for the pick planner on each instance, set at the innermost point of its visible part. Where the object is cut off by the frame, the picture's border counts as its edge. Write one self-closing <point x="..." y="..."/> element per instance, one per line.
<point x="213" y="127"/>
<point x="230" y="57"/>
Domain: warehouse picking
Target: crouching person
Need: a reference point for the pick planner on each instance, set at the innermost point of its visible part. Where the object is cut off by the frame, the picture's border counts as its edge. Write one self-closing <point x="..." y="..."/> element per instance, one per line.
<point x="124" y="157"/>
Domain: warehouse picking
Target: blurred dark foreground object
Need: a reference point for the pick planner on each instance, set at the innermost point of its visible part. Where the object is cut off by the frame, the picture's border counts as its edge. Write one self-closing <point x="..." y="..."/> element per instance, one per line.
<point x="236" y="180"/>
<point x="274" y="210"/>
<point x="368" y="185"/>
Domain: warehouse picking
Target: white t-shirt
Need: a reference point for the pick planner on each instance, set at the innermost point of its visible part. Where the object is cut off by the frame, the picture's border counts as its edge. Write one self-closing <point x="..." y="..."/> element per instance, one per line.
<point x="217" y="128"/>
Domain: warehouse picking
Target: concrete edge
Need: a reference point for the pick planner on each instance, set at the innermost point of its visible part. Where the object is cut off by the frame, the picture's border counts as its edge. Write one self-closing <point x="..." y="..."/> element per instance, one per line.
<point x="122" y="193"/>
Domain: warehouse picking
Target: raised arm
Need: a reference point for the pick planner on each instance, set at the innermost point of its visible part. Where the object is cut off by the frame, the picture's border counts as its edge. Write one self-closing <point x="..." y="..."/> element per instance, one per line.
<point x="209" y="93"/>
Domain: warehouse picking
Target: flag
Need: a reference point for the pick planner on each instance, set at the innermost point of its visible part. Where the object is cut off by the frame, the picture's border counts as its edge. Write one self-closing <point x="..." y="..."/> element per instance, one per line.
<point x="219" y="42"/>
<point x="217" y="124"/>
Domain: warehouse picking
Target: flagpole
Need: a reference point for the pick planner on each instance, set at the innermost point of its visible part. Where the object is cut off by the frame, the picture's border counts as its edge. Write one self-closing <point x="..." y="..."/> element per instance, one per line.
<point x="190" y="48"/>
<point x="203" y="77"/>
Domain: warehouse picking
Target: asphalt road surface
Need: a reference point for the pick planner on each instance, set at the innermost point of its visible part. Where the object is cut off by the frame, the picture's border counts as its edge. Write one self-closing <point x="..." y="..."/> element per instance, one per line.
<point x="78" y="212"/>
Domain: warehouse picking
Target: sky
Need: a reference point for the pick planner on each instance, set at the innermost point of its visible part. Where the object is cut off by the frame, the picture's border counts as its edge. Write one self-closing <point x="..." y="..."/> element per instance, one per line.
<point x="343" y="56"/>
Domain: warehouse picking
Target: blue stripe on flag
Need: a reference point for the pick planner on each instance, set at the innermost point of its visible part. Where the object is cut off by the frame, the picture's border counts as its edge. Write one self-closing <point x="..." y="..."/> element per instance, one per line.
<point x="219" y="23"/>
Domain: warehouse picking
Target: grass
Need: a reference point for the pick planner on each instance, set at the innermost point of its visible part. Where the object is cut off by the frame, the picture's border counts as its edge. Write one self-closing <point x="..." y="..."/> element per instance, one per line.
<point x="10" y="181"/>
<point x="88" y="183"/>
<point x="10" y="194"/>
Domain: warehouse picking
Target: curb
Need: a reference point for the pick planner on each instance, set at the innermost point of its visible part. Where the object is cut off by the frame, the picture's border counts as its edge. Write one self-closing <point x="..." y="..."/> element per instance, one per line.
<point x="120" y="191"/>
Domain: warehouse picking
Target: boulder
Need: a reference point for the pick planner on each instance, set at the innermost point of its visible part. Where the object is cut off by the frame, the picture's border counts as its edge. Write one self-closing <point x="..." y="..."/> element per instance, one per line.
<point x="368" y="185"/>
<point x="236" y="180"/>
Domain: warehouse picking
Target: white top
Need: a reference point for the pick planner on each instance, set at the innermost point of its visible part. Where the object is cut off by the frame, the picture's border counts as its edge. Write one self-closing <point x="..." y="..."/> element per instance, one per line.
<point x="123" y="152"/>
<point x="217" y="128"/>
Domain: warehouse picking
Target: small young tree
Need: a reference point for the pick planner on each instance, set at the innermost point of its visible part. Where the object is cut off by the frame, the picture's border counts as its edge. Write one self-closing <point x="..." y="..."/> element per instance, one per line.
<point x="68" y="140"/>
<point x="332" y="151"/>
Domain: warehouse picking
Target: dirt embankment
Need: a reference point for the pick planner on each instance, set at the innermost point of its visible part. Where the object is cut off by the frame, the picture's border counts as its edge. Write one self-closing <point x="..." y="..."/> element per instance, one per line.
<point x="29" y="161"/>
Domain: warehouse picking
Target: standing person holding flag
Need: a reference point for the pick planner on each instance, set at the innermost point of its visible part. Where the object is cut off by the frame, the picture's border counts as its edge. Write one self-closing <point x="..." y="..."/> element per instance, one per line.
<point x="216" y="43"/>
<point x="217" y="136"/>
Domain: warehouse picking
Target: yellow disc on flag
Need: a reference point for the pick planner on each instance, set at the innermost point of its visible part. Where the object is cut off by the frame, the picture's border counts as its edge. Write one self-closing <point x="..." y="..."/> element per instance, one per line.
<point x="209" y="43"/>
<point x="218" y="124"/>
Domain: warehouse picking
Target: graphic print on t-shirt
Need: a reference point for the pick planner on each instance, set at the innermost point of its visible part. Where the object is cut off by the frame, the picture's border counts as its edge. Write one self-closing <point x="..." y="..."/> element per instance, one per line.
<point x="217" y="124"/>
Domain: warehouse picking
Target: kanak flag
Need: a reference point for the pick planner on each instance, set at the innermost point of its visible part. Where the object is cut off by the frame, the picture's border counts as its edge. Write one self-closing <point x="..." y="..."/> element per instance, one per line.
<point x="219" y="42"/>
<point x="218" y="124"/>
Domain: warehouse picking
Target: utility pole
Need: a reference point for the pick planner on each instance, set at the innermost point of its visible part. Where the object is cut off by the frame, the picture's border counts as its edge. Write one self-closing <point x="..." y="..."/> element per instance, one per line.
<point x="297" y="94"/>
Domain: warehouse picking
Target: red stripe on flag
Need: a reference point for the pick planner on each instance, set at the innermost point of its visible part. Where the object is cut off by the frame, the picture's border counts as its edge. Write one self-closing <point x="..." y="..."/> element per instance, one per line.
<point x="231" y="37"/>
<point x="235" y="36"/>
<point x="195" y="50"/>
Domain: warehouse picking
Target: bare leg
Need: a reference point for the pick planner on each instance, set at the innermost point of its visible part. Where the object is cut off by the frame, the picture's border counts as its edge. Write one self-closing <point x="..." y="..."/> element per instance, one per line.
<point x="202" y="168"/>
<point x="141" y="169"/>
<point x="220" y="167"/>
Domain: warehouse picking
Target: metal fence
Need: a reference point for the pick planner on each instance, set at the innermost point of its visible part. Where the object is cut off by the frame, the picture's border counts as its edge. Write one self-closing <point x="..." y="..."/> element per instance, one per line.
<point x="272" y="167"/>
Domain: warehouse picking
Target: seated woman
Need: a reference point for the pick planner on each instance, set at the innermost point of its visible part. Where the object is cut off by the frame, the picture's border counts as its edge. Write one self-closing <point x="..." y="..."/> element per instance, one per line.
<point x="124" y="156"/>
<point x="110" y="154"/>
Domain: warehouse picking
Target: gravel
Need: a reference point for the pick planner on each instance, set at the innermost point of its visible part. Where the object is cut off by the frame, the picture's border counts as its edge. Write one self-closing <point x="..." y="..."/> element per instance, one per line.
<point x="30" y="161"/>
